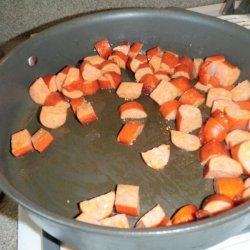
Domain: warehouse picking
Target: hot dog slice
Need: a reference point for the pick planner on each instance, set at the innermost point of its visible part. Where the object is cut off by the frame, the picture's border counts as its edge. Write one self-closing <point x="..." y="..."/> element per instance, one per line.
<point x="222" y="167"/>
<point x="85" y="113"/>
<point x="109" y="80"/>
<point x="237" y="118"/>
<point x="132" y="110"/>
<point x="202" y="87"/>
<point x="217" y="94"/>
<point x="196" y="66"/>
<point x="118" y="221"/>
<point x="182" y="70"/>
<point x="188" y="118"/>
<point x="152" y="218"/>
<point x="192" y="97"/>
<point x="161" y="75"/>
<point x="247" y="182"/>
<point x="103" y="48"/>
<point x="61" y="76"/>
<point x="41" y="140"/>
<point x="50" y="81"/>
<point x="99" y="207"/>
<point x="135" y="49"/>
<point x="88" y="219"/>
<point x="246" y="194"/>
<point x="217" y="203"/>
<point x="90" y="87"/>
<point x="241" y="92"/>
<point x="169" y="61"/>
<point x="157" y="158"/>
<point x="110" y="66"/>
<point x="119" y="58"/>
<point x="185" y="141"/>
<point x="155" y="63"/>
<point x="156" y="51"/>
<point x="127" y="200"/>
<point x="76" y="102"/>
<point x="90" y="72"/>
<point x="124" y="48"/>
<point x="169" y="109"/>
<point x="142" y="70"/>
<point x="56" y="99"/>
<point x="244" y="105"/>
<point x="237" y="136"/>
<point x="129" y="90"/>
<point x="129" y="132"/>
<point x="21" y="143"/>
<point x="181" y="83"/>
<point x="212" y="149"/>
<point x="39" y="91"/>
<point x="241" y="153"/>
<point x="53" y="117"/>
<point x="164" y="92"/>
<point x="228" y="186"/>
<point x="184" y="214"/>
<point x="222" y="104"/>
<point x="94" y="60"/>
<point x="202" y="214"/>
<point x="165" y="222"/>
<point x="134" y="63"/>
<point x="150" y="82"/>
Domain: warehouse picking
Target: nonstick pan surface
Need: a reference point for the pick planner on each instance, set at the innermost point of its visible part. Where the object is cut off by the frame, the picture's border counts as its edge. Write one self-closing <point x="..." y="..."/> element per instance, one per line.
<point x="86" y="161"/>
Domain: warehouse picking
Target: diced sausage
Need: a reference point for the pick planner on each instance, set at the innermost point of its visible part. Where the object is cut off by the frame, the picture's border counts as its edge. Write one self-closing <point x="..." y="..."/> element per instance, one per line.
<point x="109" y="80"/>
<point x="237" y="118"/>
<point x="202" y="87"/>
<point x="241" y="153"/>
<point x="132" y="110"/>
<point x="53" y="117"/>
<point x="237" y="136"/>
<point x="152" y="218"/>
<point x="119" y="58"/>
<point x="222" y="167"/>
<point x="94" y="60"/>
<point x="212" y="149"/>
<point x="241" y="92"/>
<point x="217" y="203"/>
<point x="129" y="90"/>
<point x="156" y="51"/>
<point x="169" y="61"/>
<point x="230" y="187"/>
<point x="165" y="222"/>
<point x="244" y="105"/>
<point x="124" y="48"/>
<point x="155" y="63"/>
<point x="182" y="70"/>
<point x="103" y="48"/>
<point x="39" y="91"/>
<point x="247" y="182"/>
<point x="41" y="140"/>
<point x="134" y="63"/>
<point x="142" y="70"/>
<point x="188" y="118"/>
<point x="110" y="66"/>
<point x="86" y="218"/>
<point x="61" y="76"/>
<point x="217" y="94"/>
<point x="90" y="87"/>
<point x="150" y="82"/>
<point x="222" y="104"/>
<point x="135" y="49"/>
<point x="185" y="141"/>
<point x="202" y="214"/>
<point x="158" y="157"/>
<point x="127" y="200"/>
<point x="56" y="99"/>
<point x="192" y="97"/>
<point x="216" y="58"/>
<point x="21" y="143"/>
<point x="169" y="109"/>
<point x="164" y="92"/>
<point x="50" y="81"/>
<point x="90" y="72"/>
<point x="118" y="221"/>
<point x="76" y="102"/>
<point x="99" y="207"/>
<point x="129" y="132"/>
<point x="184" y="215"/>
<point x="85" y="113"/>
<point x="161" y="75"/>
<point x="221" y="117"/>
<point x="196" y="66"/>
<point x="246" y="194"/>
<point x="181" y="83"/>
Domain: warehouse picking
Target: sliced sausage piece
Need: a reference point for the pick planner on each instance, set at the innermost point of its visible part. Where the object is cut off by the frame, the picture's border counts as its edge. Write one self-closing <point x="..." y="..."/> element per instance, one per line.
<point x="50" y="81"/>
<point x="188" y="118"/>
<point x="246" y="194"/>
<point x="152" y="218"/>
<point x="132" y="110"/>
<point x="202" y="87"/>
<point x="230" y="187"/>
<point x="129" y="90"/>
<point x="99" y="207"/>
<point x="41" y="140"/>
<point x="237" y="136"/>
<point x="90" y="72"/>
<point x="165" y="222"/>
<point x="237" y="118"/>
<point x="119" y="58"/>
<point x="118" y="221"/>
<point x="103" y="48"/>
<point x="53" y="117"/>
<point x="21" y="143"/>
<point x="85" y="113"/>
<point x="76" y="102"/>
<point x="216" y="58"/>
<point x="94" y="60"/>
<point x="127" y="200"/>
<point x="61" y="76"/>
<point x="244" y="105"/>
<point x="164" y="92"/>
<point x="110" y="80"/>
<point x="124" y="48"/>
<point x="217" y="203"/>
<point x="184" y="215"/>
<point x="202" y="214"/>
<point x="134" y="63"/>
<point x="241" y="153"/>
<point x="247" y="182"/>
<point x="110" y="66"/>
<point x="241" y="92"/>
<point x="135" y="49"/>
<point x="222" y="167"/>
<point x="90" y="87"/>
<point x="192" y="97"/>
<point x="182" y="70"/>
<point x="150" y="82"/>
<point x="185" y="141"/>
<point x="161" y="75"/>
<point x="169" y="109"/>
<point x="158" y="157"/>
<point x="56" y="99"/>
<point x="39" y="91"/>
<point x="222" y="104"/>
<point x="169" y="61"/>
<point x="221" y="117"/>
<point x="88" y="219"/>
<point x="129" y="132"/>
<point x="155" y="63"/>
<point x="196" y="66"/>
<point x="217" y="94"/>
<point x="212" y="149"/>
<point x="156" y="51"/>
<point x="181" y="83"/>
<point x="142" y="70"/>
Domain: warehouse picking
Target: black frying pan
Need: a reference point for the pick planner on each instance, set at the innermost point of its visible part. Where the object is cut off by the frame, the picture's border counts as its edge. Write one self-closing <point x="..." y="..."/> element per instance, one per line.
<point x="84" y="162"/>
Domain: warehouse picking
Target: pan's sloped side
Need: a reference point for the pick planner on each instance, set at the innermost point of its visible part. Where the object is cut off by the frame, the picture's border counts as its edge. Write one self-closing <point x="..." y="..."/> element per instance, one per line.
<point x="43" y="186"/>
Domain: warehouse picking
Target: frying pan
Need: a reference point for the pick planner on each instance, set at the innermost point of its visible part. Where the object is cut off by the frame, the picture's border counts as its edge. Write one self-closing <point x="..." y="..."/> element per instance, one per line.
<point x="84" y="162"/>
